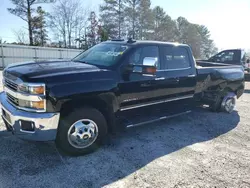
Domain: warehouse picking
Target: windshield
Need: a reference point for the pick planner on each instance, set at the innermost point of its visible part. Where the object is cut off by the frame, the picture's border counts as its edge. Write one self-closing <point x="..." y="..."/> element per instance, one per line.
<point x="104" y="54"/>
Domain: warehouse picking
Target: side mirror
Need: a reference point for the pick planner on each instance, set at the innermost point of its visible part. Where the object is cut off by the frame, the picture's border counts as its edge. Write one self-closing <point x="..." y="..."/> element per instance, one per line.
<point x="148" y="66"/>
<point x="150" y="61"/>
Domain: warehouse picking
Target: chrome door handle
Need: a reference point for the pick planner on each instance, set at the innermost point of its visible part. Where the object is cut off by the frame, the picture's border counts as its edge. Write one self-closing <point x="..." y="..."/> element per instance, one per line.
<point x="191" y="75"/>
<point x="160" y="78"/>
<point x="148" y="84"/>
<point x="177" y="80"/>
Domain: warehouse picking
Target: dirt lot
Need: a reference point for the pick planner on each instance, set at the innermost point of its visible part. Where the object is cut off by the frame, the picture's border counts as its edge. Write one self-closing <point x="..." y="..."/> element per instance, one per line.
<point x="202" y="149"/>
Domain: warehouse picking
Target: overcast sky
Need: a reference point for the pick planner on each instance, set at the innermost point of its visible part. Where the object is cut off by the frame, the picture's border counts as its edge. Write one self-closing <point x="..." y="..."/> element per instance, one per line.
<point x="228" y="20"/>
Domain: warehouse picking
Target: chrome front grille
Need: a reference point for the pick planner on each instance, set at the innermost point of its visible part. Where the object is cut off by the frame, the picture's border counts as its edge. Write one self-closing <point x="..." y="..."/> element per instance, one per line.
<point x="20" y="99"/>
<point x="12" y="99"/>
<point x="10" y="84"/>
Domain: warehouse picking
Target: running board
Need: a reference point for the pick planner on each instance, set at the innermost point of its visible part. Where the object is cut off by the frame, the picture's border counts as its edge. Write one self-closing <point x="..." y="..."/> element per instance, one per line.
<point x="158" y="119"/>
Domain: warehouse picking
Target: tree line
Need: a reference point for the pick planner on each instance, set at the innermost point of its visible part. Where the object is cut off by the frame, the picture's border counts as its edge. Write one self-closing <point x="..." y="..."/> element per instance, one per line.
<point x="75" y="26"/>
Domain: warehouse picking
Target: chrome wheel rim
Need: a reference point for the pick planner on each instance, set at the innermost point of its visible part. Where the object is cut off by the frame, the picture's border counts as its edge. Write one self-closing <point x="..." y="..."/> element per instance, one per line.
<point x="82" y="133"/>
<point x="230" y="105"/>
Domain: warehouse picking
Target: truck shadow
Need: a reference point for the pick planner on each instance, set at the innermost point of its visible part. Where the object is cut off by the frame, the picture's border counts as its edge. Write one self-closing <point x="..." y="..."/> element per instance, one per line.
<point x="124" y="154"/>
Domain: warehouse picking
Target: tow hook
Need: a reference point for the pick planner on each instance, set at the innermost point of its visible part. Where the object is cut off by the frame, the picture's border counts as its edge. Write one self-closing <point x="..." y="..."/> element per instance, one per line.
<point x="229" y="102"/>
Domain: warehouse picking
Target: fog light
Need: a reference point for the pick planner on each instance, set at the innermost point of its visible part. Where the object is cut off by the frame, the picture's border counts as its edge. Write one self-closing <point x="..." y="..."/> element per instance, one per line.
<point x="27" y="126"/>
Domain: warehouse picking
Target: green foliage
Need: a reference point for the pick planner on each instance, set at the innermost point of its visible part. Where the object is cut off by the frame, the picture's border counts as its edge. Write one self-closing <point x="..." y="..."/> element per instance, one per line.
<point x="117" y="19"/>
<point x="39" y="28"/>
<point x="23" y="9"/>
<point x="103" y="34"/>
<point x="197" y="36"/>
<point x="165" y="29"/>
<point x="112" y="16"/>
<point x="93" y="30"/>
<point x="140" y="21"/>
<point x="132" y="17"/>
<point x="145" y="20"/>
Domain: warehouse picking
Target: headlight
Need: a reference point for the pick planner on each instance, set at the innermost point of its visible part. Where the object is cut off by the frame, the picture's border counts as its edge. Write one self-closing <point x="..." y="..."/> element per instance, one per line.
<point x="37" y="105"/>
<point x="37" y="90"/>
<point x="31" y="89"/>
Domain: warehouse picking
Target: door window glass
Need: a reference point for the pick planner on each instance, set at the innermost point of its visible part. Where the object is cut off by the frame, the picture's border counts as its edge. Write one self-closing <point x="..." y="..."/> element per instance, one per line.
<point x="140" y="53"/>
<point x="175" y="58"/>
<point x="225" y="56"/>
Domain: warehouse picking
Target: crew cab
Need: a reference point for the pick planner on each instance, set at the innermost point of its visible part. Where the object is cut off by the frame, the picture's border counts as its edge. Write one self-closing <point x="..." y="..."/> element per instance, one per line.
<point x="233" y="57"/>
<point x="113" y="85"/>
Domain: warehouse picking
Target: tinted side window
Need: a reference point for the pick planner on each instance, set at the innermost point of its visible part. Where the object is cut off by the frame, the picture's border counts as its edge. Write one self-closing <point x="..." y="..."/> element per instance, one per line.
<point x="176" y="58"/>
<point x="227" y="57"/>
<point x="140" y="53"/>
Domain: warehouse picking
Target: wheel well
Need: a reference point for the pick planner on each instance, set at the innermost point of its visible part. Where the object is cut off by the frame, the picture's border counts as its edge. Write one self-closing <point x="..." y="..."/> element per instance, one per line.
<point x="94" y="102"/>
<point x="228" y="89"/>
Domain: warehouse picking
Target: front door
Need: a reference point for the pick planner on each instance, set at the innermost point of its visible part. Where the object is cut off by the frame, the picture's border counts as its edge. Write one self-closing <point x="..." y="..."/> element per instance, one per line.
<point x="136" y="89"/>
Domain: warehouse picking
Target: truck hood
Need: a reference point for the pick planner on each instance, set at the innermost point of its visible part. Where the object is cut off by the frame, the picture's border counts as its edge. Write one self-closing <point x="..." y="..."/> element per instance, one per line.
<point x="30" y="70"/>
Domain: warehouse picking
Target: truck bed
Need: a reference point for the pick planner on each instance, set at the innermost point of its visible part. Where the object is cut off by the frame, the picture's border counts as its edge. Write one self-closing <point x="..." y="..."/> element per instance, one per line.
<point x="215" y="76"/>
<point x="204" y="63"/>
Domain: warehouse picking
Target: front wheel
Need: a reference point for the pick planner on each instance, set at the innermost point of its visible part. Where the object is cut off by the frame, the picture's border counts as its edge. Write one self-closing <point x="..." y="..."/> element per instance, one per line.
<point x="81" y="131"/>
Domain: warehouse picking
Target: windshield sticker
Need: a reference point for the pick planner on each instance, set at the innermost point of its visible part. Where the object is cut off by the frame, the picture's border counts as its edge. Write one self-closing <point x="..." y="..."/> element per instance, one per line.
<point x="121" y="49"/>
<point x="110" y="53"/>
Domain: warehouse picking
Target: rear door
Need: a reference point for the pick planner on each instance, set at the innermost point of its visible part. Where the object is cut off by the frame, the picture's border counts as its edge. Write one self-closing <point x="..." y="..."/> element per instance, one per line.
<point x="177" y="74"/>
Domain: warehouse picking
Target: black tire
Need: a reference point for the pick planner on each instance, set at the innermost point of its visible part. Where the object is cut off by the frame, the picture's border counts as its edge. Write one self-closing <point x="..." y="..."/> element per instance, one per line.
<point x="72" y="117"/>
<point x="216" y="105"/>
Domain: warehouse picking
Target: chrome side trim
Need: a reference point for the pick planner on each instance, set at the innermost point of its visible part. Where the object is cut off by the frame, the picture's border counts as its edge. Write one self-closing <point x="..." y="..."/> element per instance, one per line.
<point x="158" y="102"/>
<point x="158" y="119"/>
<point x="174" y="69"/>
<point x="160" y="78"/>
<point x="22" y="96"/>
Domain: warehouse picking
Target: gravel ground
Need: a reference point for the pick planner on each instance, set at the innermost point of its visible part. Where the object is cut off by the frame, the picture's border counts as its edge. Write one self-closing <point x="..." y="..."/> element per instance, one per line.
<point x="202" y="149"/>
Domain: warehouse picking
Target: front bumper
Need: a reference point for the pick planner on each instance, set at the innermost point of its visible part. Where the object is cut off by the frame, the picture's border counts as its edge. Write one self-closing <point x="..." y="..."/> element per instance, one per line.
<point x="45" y="124"/>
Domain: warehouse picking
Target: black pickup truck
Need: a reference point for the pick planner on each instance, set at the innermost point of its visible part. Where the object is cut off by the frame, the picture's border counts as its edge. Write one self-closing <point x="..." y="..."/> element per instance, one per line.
<point x="114" y="84"/>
